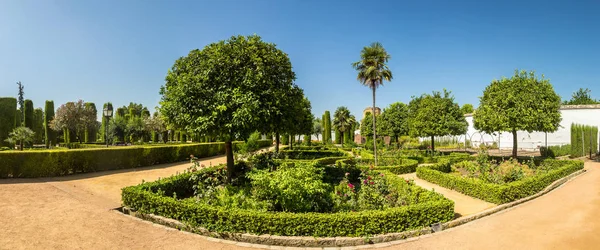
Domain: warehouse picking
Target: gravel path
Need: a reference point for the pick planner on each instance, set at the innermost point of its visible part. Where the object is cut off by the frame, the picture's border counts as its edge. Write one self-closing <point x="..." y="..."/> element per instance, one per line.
<point x="76" y="212"/>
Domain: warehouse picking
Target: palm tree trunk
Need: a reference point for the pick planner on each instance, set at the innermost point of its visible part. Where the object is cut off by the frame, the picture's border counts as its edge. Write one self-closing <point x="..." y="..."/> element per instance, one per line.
<point x="374" y="130"/>
<point x="514" y="151"/>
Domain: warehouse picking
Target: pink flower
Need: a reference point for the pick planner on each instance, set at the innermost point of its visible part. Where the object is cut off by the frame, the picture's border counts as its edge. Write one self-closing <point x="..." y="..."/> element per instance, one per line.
<point x="365" y="181"/>
<point x="350" y="185"/>
<point x="381" y="175"/>
<point x="347" y="174"/>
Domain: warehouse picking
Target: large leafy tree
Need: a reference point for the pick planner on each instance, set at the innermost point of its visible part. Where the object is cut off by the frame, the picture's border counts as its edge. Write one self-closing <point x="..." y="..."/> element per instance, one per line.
<point x="582" y="97"/>
<point x="226" y="89"/>
<point x="73" y="116"/>
<point x="372" y="71"/>
<point x="394" y="120"/>
<point x="435" y="114"/>
<point x="317" y="127"/>
<point x="343" y="121"/>
<point x="522" y="102"/>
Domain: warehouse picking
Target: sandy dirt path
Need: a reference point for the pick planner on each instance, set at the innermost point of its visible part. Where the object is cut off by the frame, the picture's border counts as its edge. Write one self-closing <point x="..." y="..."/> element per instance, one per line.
<point x="75" y="212"/>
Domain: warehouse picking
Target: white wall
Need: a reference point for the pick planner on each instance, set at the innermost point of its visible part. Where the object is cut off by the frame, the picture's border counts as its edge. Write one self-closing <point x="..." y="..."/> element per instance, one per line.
<point x="530" y="141"/>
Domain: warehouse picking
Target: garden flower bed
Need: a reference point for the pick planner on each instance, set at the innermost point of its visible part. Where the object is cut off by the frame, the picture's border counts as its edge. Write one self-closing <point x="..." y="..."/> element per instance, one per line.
<point x="299" y="199"/>
<point x="497" y="182"/>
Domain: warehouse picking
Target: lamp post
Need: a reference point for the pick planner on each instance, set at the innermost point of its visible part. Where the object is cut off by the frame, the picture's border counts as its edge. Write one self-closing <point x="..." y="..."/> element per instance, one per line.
<point x="108" y="112"/>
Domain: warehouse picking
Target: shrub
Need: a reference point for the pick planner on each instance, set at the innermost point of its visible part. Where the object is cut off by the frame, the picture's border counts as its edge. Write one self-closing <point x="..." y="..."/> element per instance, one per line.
<point x="556" y="151"/>
<point x="497" y="193"/>
<point x="63" y="162"/>
<point x="144" y="198"/>
<point x="8" y="111"/>
<point x="584" y="140"/>
<point x="296" y="188"/>
<point x="397" y="166"/>
<point x="309" y="154"/>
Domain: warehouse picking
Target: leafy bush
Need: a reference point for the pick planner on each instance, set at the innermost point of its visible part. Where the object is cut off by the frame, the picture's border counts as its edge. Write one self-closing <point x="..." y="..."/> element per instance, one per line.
<point x="298" y="188"/>
<point x="8" y="111"/>
<point x="146" y="198"/>
<point x="498" y="193"/>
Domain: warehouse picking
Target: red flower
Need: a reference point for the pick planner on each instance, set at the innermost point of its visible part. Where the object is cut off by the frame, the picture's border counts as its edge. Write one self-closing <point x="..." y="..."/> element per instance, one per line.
<point x="368" y="177"/>
<point x="365" y="181"/>
<point x="371" y="183"/>
<point x="350" y="185"/>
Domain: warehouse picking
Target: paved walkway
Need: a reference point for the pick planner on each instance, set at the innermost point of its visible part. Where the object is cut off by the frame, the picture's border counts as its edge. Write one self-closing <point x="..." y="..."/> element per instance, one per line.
<point x="463" y="204"/>
<point x="75" y="212"/>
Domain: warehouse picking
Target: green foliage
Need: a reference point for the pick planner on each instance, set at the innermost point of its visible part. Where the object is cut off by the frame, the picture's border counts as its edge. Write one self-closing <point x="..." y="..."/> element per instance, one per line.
<point x="50" y="134"/>
<point x="306" y="140"/>
<point x="343" y="122"/>
<point x="467" y="108"/>
<point x="21" y="102"/>
<point x="520" y="103"/>
<point x="73" y="117"/>
<point x="29" y="120"/>
<point x="556" y="151"/>
<point x="252" y="143"/>
<point x="498" y="193"/>
<point x="318" y="128"/>
<point x="64" y="162"/>
<point x="581" y="97"/>
<point x="338" y="136"/>
<point x="20" y="135"/>
<point x="584" y="140"/>
<point x="436" y="115"/>
<point x="91" y="130"/>
<point x="326" y="127"/>
<point x="8" y="111"/>
<point x="297" y="188"/>
<point x="393" y="121"/>
<point x="393" y="165"/>
<point x="146" y="198"/>
<point x="38" y="125"/>
<point x="309" y="154"/>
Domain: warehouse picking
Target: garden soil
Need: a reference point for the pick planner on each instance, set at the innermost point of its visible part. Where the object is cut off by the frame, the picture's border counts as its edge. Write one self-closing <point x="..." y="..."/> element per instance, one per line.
<point x="77" y="212"/>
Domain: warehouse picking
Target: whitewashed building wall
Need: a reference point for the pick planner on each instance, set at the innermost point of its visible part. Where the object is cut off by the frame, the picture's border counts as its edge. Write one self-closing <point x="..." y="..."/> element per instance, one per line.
<point x="580" y="114"/>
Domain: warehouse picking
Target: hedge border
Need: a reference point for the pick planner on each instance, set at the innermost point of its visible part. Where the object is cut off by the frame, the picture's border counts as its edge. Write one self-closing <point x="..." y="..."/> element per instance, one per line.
<point x="142" y="198"/>
<point x="382" y="240"/>
<point x="495" y="193"/>
<point x="48" y="163"/>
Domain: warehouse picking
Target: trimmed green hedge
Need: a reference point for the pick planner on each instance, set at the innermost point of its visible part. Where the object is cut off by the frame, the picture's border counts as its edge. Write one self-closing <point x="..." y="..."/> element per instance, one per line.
<point x="495" y="193"/>
<point x="407" y="166"/>
<point x="309" y="154"/>
<point x="8" y="111"/>
<point x="145" y="199"/>
<point x="46" y="163"/>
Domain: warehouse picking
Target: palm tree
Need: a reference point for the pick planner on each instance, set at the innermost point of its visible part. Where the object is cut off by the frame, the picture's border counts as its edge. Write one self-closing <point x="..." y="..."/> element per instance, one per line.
<point x="372" y="71"/>
<point x="343" y="120"/>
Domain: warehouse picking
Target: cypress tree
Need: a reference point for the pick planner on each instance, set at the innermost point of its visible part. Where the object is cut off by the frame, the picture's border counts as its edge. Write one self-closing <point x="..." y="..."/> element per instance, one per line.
<point x="338" y="136"/>
<point x="50" y="137"/>
<point x="8" y="114"/>
<point x="182" y="137"/>
<point x="307" y="140"/>
<point x="38" y="124"/>
<point x="91" y="132"/>
<point x="29" y="121"/>
<point x="105" y="122"/>
<point x="327" y="127"/>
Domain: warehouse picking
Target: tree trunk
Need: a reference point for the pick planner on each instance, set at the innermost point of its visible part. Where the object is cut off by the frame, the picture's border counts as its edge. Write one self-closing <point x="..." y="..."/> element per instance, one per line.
<point x="432" y="144"/>
<point x="21" y="145"/>
<point x="276" y="142"/>
<point x="290" y="142"/>
<point x="230" y="163"/>
<point x="374" y="130"/>
<point x="514" y="151"/>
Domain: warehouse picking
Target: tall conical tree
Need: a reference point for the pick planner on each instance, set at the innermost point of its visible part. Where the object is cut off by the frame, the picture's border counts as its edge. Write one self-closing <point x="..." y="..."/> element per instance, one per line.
<point x="48" y="117"/>
<point x="327" y="127"/>
<point x="8" y="111"/>
<point x="105" y="122"/>
<point x="91" y="132"/>
<point x="372" y="71"/>
<point x="28" y="121"/>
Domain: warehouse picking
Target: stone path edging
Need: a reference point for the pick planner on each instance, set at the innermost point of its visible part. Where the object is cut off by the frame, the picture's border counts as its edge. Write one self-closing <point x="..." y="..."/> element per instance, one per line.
<point x="266" y="241"/>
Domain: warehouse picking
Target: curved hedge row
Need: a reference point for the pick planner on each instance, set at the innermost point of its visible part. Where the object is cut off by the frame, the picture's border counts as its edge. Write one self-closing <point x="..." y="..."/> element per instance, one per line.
<point x="407" y="166"/>
<point x="144" y="199"/>
<point x="496" y="193"/>
<point x="47" y="163"/>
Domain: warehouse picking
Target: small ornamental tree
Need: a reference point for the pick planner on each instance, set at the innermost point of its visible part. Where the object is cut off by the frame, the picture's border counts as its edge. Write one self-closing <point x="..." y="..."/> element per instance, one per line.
<point x="520" y="103"/>
<point x="393" y="121"/>
<point x="8" y="111"/>
<point x="343" y="122"/>
<point x="435" y="115"/>
<point x="467" y="108"/>
<point x="20" y="135"/>
<point x="73" y="117"/>
<point x="225" y="89"/>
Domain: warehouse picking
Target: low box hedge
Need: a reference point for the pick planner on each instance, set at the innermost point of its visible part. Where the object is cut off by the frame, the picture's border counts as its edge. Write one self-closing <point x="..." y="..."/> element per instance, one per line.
<point x="146" y="200"/>
<point x="310" y="154"/>
<point x="46" y="163"/>
<point x="495" y="193"/>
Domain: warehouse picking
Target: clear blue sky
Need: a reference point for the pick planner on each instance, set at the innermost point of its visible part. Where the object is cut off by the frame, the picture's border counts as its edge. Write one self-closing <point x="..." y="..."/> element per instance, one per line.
<point x="120" y="51"/>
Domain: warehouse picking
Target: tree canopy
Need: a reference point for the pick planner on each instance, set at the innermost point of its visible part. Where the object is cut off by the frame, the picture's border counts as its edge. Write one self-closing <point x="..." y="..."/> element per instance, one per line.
<point x="522" y="102"/>
<point x="73" y="116"/>
<point x="435" y="114"/>
<point x="393" y="121"/>
<point x="343" y="121"/>
<point x="582" y="97"/>
<point x="227" y="89"/>
<point x="467" y="108"/>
